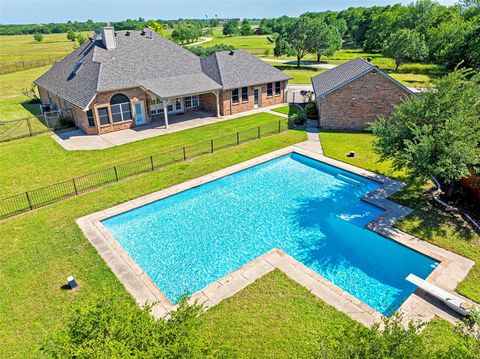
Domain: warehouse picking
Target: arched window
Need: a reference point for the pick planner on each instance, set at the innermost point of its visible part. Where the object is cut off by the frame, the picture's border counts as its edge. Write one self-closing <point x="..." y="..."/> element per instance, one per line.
<point x="120" y="108"/>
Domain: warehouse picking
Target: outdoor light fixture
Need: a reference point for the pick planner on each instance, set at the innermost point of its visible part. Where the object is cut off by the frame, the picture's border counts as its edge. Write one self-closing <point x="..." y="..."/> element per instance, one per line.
<point x="72" y="282"/>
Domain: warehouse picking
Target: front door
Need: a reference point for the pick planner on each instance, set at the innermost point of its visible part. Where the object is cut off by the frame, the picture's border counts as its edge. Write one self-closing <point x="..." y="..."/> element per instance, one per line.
<point x="140" y="113"/>
<point x="256" y="97"/>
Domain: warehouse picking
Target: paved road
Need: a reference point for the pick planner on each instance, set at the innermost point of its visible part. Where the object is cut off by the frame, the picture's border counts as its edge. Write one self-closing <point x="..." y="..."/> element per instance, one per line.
<point x="205" y="39"/>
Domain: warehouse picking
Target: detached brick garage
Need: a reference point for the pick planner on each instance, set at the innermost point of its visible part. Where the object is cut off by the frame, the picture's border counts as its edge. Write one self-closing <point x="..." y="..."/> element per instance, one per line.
<point x="354" y="94"/>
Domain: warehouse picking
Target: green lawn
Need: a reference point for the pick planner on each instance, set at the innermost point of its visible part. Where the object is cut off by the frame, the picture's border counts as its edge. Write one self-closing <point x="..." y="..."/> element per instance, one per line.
<point x="40" y="249"/>
<point x="300" y="75"/>
<point x="255" y="44"/>
<point x="276" y="317"/>
<point x="16" y="48"/>
<point x="288" y="110"/>
<point x="426" y="222"/>
<point x="38" y="161"/>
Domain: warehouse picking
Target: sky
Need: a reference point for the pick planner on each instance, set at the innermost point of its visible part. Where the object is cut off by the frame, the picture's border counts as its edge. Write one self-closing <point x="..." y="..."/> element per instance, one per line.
<point x="38" y="11"/>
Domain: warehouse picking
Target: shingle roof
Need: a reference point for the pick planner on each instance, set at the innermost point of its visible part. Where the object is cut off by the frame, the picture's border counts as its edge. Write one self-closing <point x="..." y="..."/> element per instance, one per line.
<point x="181" y="85"/>
<point x="240" y="68"/>
<point x="153" y="62"/>
<point x="343" y="74"/>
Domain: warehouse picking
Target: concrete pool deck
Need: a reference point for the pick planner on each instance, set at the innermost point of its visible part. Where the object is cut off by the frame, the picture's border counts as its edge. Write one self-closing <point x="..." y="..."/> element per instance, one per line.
<point x="452" y="269"/>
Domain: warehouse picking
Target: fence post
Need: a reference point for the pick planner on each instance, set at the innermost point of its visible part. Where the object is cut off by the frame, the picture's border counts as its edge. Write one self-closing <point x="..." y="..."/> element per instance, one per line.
<point x="279" y="126"/>
<point x="258" y="131"/>
<point x="211" y="145"/>
<point x="75" y="186"/>
<point x="184" y="154"/>
<point x="116" y="173"/>
<point x="238" y="138"/>
<point x="151" y="162"/>
<point x="29" y="127"/>
<point x="29" y="201"/>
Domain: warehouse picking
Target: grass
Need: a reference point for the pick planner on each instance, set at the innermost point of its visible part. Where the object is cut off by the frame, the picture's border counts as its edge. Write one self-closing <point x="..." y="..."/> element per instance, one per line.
<point x="300" y="75"/>
<point x="426" y="222"/>
<point x="276" y="317"/>
<point x="13" y="105"/>
<point x="38" y="161"/>
<point x="15" y="48"/>
<point x="257" y="45"/>
<point x="41" y="248"/>
<point x="288" y="110"/>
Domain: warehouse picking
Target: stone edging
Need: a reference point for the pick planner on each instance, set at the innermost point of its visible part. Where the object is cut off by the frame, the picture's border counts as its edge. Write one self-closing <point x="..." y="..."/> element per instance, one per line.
<point x="452" y="269"/>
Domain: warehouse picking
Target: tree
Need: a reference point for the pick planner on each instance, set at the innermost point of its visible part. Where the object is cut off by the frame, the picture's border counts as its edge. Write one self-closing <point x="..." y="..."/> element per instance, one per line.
<point x="108" y="327"/>
<point x="230" y="27"/>
<point x="246" y="28"/>
<point x="297" y="40"/>
<point x="326" y="39"/>
<point x="437" y="133"/>
<point x="38" y="37"/>
<point x="158" y="27"/>
<point x="405" y="45"/>
<point x="207" y="51"/>
<point x="71" y="36"/>
<point x="80" y="38"/>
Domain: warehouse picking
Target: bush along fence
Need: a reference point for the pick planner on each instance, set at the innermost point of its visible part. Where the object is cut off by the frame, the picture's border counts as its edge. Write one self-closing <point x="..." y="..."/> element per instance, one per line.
<point x="43" y="196"/>
<point x="28" y="64"/>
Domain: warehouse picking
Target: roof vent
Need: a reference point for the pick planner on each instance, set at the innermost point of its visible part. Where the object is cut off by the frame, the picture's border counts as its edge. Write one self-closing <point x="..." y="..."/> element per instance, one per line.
<point x="143" y="33"/>
<point x="369" y="59"/>
<point x="127" y="33"/>
<point x="231" y="52"/>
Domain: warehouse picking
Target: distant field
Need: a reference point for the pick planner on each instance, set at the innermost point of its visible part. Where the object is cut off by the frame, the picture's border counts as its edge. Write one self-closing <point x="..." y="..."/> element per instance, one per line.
<point x="23" y="47"/>
<point x="256" y="45"/>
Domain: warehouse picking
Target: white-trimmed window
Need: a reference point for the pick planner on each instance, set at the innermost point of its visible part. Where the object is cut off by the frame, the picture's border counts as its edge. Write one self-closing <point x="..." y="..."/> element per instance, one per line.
<point x="269" y="89"/>
<point x="278" y="88"/>
<point x="155" y="101"/>
<point x="120" y="107"/>
<point x="235" y="96"/>
<point x="191" y="101"/>
<point x="103" y="117"/>
<point x="244" y="94"/>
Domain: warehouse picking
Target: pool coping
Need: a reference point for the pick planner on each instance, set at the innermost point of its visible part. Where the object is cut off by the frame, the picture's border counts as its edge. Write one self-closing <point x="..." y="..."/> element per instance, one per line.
<point x="452" y="269"/>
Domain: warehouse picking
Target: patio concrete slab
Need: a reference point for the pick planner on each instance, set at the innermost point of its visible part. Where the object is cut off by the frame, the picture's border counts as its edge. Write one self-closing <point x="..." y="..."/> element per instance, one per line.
<point x="77" y="140"/>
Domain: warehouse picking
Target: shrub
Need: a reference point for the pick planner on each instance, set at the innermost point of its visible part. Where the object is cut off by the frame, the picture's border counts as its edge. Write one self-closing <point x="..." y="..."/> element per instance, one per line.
<point x="108" y="327"/>
<point x="311" y="110"/>
<point x="298" y="119"/>
<point x="394" y="341"/>
<point x="38" y="37"/>
<point x="267" y="52"/>
<point x="66" y="121"/>
<point x="31" y="93"/>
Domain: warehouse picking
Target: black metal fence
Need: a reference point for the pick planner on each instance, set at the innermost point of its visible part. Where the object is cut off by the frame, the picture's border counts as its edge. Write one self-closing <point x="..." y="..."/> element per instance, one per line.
<point x="26" y="64"/>
<point x="43" y="196"/>
<point x="35" y="125"/>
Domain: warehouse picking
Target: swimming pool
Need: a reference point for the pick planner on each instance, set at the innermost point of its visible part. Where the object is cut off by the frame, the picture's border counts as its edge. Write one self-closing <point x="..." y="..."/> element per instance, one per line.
<point x="310" y="210"/>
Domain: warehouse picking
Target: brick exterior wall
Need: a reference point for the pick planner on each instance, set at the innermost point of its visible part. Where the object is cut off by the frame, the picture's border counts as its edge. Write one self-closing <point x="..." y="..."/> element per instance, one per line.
<point x="355" y="105"/>
<point x="227" y="107"/>
<point x="207" y="103"/>
<point x="103" y="99"/>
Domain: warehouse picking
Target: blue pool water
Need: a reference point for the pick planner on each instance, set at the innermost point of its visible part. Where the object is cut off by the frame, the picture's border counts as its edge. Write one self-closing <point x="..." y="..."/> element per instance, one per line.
<point x="308" y="209"/>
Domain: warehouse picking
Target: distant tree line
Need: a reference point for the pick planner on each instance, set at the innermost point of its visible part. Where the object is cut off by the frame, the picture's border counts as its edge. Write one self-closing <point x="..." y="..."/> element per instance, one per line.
<point x="422" y="30"/>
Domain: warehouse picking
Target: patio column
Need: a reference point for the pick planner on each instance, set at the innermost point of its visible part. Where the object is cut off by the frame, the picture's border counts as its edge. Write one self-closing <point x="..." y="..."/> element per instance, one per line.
<point x="217" y="96"/>
<point x="165" y="111"/>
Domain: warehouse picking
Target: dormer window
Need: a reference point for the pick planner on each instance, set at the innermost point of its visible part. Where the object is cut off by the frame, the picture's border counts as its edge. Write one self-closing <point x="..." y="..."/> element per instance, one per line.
<point x="78" y="66"/>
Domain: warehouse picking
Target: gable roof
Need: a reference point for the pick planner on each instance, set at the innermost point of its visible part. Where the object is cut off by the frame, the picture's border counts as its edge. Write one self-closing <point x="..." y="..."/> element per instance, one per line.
<point x="234" y="69"/>
<point x="339" y="76"/>
<point x="154" y="63"/>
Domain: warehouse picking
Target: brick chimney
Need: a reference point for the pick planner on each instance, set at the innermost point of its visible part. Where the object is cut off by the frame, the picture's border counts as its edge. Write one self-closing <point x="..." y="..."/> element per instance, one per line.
<point x="108" y="37"/>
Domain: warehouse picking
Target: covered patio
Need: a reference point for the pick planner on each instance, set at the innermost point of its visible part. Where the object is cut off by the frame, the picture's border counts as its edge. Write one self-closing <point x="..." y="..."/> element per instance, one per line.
<point x="78" y="140"/>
